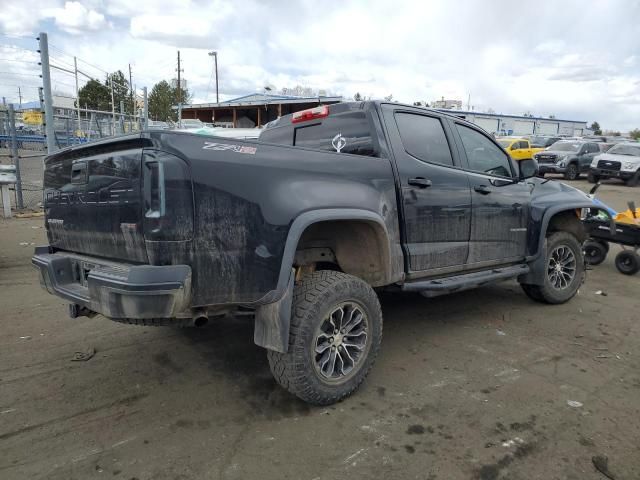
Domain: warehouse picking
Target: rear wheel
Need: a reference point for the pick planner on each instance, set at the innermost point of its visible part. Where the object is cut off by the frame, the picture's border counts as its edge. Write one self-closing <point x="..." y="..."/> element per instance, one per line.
<point x="572" y="172"/>
<point x="592" y="178"/>
<point x="595" y="251"/>
<point x="628" y="262"/>
<point x="335" y="335"/>
<point x="564" y="270"/>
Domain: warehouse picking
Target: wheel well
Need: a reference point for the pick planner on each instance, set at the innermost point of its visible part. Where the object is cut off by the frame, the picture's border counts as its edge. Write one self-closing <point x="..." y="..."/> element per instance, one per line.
<point x="356" y="247"/>
<point x="567" y="221"/>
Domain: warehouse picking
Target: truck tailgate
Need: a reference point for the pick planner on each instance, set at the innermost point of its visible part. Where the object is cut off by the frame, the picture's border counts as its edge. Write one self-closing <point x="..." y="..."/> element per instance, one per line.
<point x="93" y="200"/>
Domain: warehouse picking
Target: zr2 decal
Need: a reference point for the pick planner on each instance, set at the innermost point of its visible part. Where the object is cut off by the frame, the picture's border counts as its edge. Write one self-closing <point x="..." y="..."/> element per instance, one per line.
<point x="229" y="147"/>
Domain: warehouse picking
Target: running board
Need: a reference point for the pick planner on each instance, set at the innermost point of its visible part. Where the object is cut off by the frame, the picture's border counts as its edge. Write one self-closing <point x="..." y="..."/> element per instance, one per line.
<point x="457" y="283"/>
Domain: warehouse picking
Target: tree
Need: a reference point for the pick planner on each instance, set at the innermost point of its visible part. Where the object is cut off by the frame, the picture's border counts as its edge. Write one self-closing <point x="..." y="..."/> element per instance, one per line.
<point x="163" y="98"/>
<point x="97" y="96"/>
<point x="357" y="97"/>
<point x="161" y="101"/>
<point x="595" y="126"/>
<point x="389" y="98"/>
<point x="635" y="133"/>
<point x="121" y="91"/>
<point x="94" y="95"/>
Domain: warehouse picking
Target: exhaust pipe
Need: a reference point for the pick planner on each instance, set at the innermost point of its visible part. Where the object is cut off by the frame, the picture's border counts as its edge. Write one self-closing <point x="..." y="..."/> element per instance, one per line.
<point x="200" y="318"/>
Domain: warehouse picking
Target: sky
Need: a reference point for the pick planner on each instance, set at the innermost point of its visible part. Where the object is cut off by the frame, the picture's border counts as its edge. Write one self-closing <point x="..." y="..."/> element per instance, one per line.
<point x="574" y="60"/>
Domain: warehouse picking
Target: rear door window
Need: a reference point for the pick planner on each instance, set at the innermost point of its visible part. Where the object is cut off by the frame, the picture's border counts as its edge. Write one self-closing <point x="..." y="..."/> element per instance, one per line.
<point x="346" y="133"/>
<point x="423" y="137"/>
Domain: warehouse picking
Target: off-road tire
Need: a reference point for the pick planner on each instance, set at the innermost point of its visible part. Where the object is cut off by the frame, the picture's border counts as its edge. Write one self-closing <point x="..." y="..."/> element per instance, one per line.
<point x="572" y="172"/>
<point x="313" y="298"/>
<point x="591" y="178"/>
<point x="547" y="293"/>
<point x="628" y="262"/>
<point x="595" y="251"/>
<point x="633" y="181"/>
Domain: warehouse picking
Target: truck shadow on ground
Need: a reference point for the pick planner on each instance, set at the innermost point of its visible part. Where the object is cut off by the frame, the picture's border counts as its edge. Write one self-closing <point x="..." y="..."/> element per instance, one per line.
<point x="226" y="345"/>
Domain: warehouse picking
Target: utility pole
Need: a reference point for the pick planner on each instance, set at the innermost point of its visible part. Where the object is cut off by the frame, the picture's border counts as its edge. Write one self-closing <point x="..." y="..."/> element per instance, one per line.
<point x="179" y="94"/>
<point x="133" y="107"/>
<point x="46" y="90"/>
<point x="19" y="99"/>
<point x="75" y="68"/>
<point x="214" y="54"/>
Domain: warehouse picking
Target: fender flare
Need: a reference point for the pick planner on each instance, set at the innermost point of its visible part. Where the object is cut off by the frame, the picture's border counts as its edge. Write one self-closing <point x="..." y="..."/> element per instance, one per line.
<point x="273" y="314"/>
<point x="537" y="261"/>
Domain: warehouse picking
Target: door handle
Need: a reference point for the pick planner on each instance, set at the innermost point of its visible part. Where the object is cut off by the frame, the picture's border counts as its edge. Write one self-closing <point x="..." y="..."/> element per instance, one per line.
<point x="483" y="189"/>
<point x="419" y="182"/>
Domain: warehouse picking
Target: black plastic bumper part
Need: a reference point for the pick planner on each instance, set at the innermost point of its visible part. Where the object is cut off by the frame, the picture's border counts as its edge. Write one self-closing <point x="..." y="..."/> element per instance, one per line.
<point x="116" y="290"/>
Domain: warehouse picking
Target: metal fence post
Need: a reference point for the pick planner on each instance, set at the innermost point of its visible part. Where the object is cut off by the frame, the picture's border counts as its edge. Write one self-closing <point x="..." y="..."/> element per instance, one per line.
<point x="48" y="99"/>
<point x="145" y="106"/>
<point x="14" y="155"/>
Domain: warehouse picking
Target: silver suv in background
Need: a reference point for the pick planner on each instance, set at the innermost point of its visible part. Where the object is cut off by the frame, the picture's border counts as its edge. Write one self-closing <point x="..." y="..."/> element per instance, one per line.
<point x="568" y="157"/>
<point x="620" y="161"/>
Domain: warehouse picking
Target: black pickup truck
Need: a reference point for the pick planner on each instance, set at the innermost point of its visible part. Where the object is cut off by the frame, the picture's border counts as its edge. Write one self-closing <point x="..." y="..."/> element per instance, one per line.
<point x="302" y="227"/>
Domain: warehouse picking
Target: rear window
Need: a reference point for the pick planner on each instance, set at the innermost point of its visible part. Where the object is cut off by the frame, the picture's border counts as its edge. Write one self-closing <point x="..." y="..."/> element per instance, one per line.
<point x="346" y="133"/>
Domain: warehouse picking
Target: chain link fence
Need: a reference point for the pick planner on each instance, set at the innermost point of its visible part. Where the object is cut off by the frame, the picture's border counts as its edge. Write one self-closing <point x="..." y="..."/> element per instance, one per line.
<point x="24" y="145"/>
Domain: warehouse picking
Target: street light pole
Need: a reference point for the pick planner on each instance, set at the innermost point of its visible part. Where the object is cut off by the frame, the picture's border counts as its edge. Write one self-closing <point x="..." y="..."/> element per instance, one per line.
<point x="215" y="59"/>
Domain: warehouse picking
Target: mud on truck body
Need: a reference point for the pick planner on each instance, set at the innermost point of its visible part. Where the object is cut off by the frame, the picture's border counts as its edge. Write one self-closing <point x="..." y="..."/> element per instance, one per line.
<point x="171" y="228"/>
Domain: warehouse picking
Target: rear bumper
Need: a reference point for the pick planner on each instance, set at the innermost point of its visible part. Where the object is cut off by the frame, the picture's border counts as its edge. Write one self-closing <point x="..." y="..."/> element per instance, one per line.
<point x="115" y="290"/>
<point x="600" y="172"/>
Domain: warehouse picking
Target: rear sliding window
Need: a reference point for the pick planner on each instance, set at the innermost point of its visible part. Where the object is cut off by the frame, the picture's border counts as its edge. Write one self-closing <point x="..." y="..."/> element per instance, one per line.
<point x="346" y="132"/>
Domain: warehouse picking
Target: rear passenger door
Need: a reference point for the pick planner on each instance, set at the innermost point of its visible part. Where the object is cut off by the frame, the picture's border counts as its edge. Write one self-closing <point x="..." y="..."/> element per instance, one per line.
<point x="434" y="191"/>
<point x="500" y="202"/>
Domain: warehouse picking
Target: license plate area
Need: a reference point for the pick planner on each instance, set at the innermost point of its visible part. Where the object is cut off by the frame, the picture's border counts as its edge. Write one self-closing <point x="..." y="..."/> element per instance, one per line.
<point x="81" y="270"/>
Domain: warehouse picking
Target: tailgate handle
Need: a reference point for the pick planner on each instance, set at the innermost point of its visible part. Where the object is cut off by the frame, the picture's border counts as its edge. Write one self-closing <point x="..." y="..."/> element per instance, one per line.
<point x="154" y="189"/>
<point x="79" y="173"/>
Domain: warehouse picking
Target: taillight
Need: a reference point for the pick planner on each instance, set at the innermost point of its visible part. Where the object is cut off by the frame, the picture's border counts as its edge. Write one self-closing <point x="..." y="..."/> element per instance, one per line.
<point x="310" y="114"/>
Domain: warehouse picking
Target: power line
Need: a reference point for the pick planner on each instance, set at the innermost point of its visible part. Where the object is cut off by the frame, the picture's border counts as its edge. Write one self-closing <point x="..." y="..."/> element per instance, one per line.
<point x="20" y="74"/>
<point x="19" y="61"/>
<point x="9" y="35"/>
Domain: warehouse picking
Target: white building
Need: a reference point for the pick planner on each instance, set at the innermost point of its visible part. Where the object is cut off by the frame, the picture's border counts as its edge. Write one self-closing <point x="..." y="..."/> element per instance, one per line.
<point x="502" y="124"/>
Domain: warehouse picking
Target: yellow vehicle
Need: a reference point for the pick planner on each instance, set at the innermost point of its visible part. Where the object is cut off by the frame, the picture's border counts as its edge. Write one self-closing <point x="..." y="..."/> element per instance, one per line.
<point x="518" y="148"/>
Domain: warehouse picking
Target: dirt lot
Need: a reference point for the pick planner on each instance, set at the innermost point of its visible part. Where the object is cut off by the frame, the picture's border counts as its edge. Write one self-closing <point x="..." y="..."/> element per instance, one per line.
<point x="483" y="384"/>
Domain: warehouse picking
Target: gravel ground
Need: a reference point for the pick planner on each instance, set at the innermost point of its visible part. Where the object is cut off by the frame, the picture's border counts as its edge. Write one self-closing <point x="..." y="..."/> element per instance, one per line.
<point x="483" y="384"/>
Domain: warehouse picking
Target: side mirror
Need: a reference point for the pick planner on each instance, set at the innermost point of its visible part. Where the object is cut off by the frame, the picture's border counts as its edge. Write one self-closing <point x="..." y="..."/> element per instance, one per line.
<point x="528" y="168"/>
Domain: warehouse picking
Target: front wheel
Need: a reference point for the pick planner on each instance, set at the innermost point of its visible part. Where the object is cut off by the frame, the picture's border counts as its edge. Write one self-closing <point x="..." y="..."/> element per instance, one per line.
<point x="564" y="270"/>
<point x="628" y="262"/>
<point x="592" y="178"/>
<point x="572" y="172"/>
<point x="335" y="335"/>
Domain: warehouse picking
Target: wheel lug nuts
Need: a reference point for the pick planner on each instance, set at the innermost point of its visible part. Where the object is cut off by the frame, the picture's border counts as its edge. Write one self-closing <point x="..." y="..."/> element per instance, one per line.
<point x="342" y="331"/>
<point x="333" y="348"/>
<point x="331" y="340"/>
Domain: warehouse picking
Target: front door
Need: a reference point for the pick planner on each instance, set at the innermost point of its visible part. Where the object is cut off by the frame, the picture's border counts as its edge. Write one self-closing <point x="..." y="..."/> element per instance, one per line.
<point x="435" y="195"/>
<point x="588" y="151"/>
<point x="500" y="203"/>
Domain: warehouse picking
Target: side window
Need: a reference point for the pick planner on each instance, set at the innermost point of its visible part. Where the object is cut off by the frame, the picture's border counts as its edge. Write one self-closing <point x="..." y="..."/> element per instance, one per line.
<point x="594" y="148"/>
<point x="524" y="144"/>
<point x="423" y="138"/>
<point x="346" y="132"/>
<point x="482" y="155"/>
